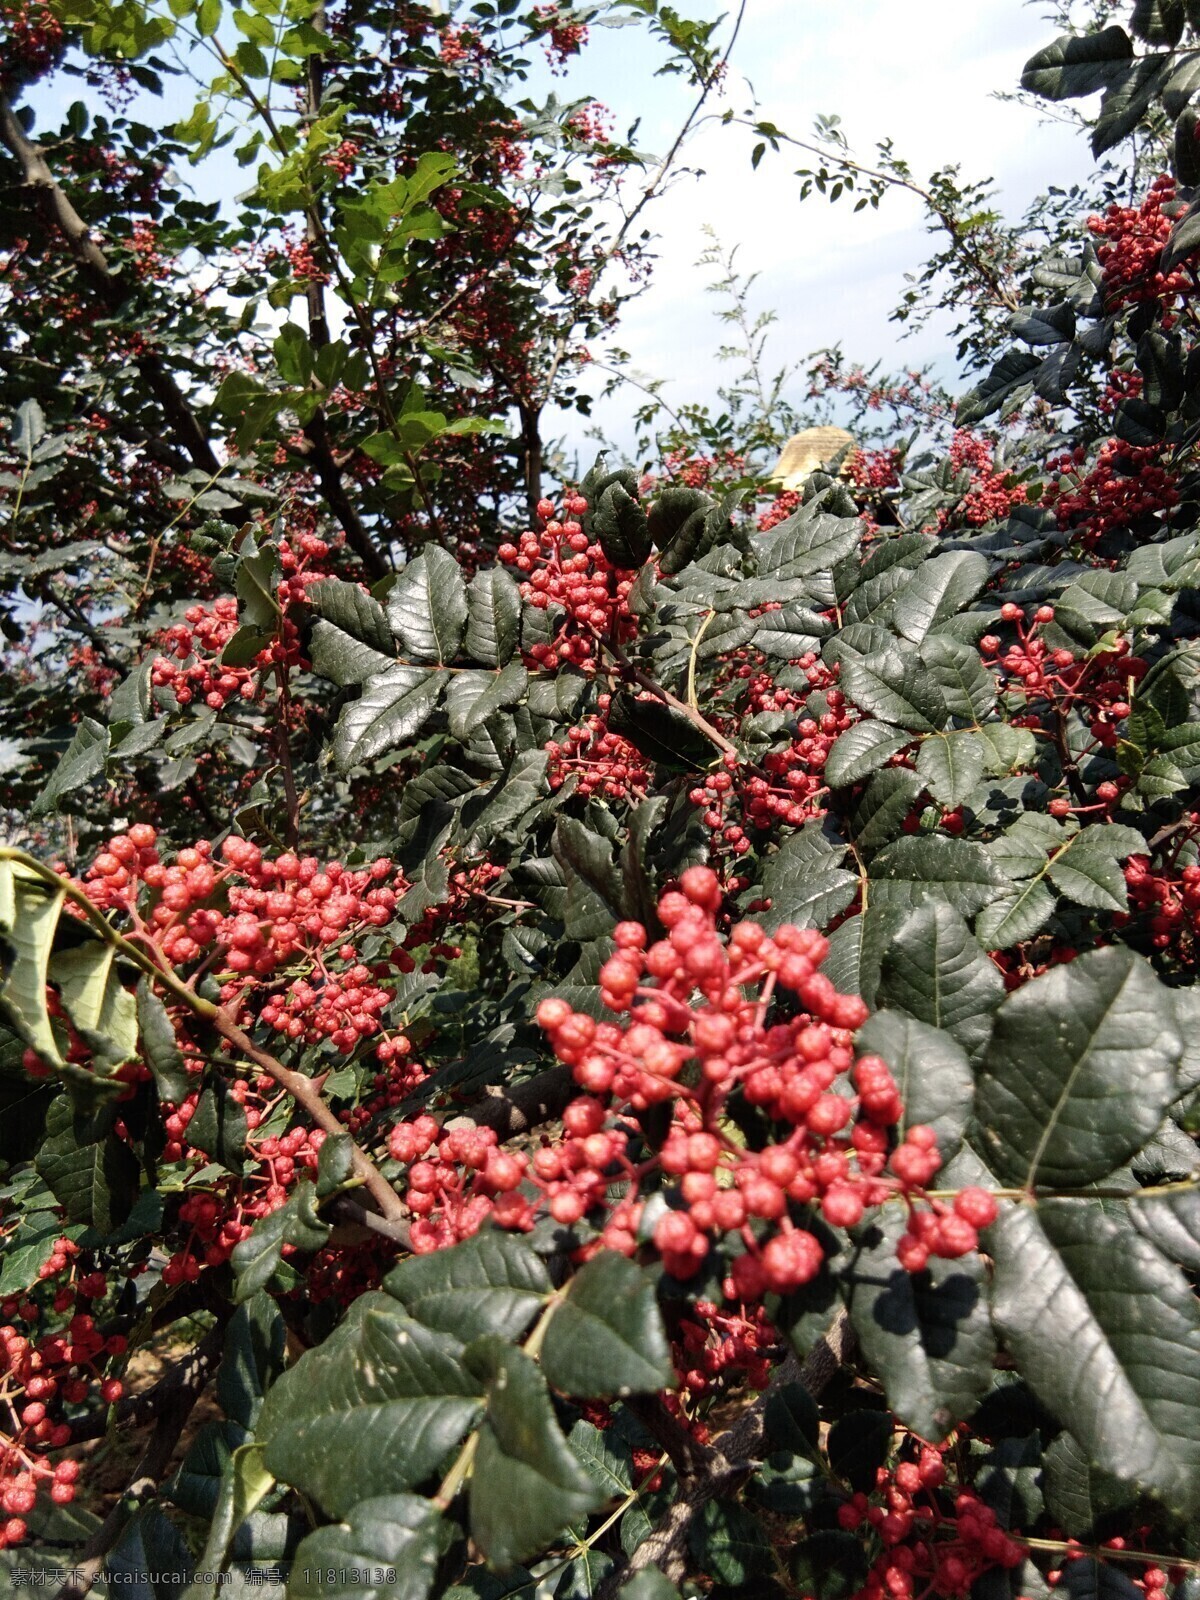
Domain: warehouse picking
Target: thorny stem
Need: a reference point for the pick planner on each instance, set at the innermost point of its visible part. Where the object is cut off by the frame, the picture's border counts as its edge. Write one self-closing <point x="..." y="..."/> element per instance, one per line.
<point x="645" y="681"/>
<point x="1071" y="1548"/>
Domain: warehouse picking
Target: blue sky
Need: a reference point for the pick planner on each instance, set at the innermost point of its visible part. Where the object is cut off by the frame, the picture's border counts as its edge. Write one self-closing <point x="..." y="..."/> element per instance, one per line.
<point x="924" y="75"/>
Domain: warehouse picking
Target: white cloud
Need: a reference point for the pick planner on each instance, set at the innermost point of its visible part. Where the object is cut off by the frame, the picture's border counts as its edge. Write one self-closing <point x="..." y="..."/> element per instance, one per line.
<point x="926" y="77"/>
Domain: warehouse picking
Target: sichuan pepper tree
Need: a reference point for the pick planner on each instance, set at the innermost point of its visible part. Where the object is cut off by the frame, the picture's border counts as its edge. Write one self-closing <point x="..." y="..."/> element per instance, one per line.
<point x="676" y="1068"/>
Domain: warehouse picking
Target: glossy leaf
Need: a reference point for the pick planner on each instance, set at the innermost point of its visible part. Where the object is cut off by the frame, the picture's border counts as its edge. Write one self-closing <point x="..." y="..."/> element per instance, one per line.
<point x="490" y="1283"/>
<point x="387" y="1549"/>
<point x="1123" y="1370"/>
<point x="427" y="607"/>
<point x="527" y="1484"/>
<point x="392" y="709"/>
<point x="915" y="869"/>
<point x="1079" y="1071"/>
<point x="928" y="1334"/>
<point x="493" y="617"/>
<point x="931" y="1072"/>
<point x="383" y="1391"/>
<point x="607" y="1337"/>
<point x="934" y="969"/>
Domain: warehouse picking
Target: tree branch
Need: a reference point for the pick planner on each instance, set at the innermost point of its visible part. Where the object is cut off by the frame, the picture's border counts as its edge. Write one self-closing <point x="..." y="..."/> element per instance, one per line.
<point x="148" y="1473"/>
<point x="61" y="215"/>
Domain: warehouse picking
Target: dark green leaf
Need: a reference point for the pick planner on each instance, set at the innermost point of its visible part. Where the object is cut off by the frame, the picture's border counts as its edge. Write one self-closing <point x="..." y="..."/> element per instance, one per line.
<point x="527" y="1483"/>
<point x="859" y="751"/>
<point x="1127" y="99"/>
<point x="1077" y="64"/>
<point x="428" y="606"/>
<point x="1077" y="1494"/>
<point x="621" y="525"/>
<point x="829" y="1565"/>
<point x="966" y="686"/>
<point x="1014" y="368"/>
<point x="490" y="1283"/>
<point x="95" y="1181"/>
<point x="931" y="1072"/>
<point x="894" y="686"/>
<point x="387" y="1549"/>
<point x="1079" y="1071"/>
<point x="351" y="610"/>
<point x="256" y="1257"/>
<point x="472" y="697"/>
<point x="883" y="808"/>
<point x="950" y="766"/>
<point x="915" y="869"/>
<point x="939" y="589"/>
<point x="383" y="1391"/>
<point x="218" y="1126"/>
<point x="934" y="969"/>
<point x="253" y="1358"/>
<point x="82" y="761"/>
<point x="607" y="1336"/>
<point x="493" y="617"/>
<point x="659" y="732"/>
<point x="392" y="709"/>
<point x="649" y="1584"/>
<point x="159" y="1047"/>
<point x="1010" y="1481"/>
<point x="1123" y="1370"/>
<point x="804" y="882"/>
<point x="928" y="1335"/>
<point x="858" y="1446"/>
<point x="729" y="1544"/>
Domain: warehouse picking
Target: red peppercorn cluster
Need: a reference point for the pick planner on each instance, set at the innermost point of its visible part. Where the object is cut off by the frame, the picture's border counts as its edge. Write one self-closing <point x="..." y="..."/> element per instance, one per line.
<point x="192" y="667"/>
<point x="213" y="1221"/>
<point x="1096" y="686"/>
<point x="399" y="1076"/>
<point x="831" y="1149"/>
<point x="343" y="159"/>
<point x="874" y="470"/>
<point x="259" y="915"/>
<point x="797" y="771"/>
<point x="1133" y="238"/>
<point x="461" y="47"/>
<point x="143" y="246"/>
<point x="564" y="38"/>
<point x="714" y="1345"/>
<point x="992" y="494"/>
<point x="698" y="472"/>
<point x="930" y="1543"/>
<point x="456" y="1178"/>
<point x="599" y="761"/>
<point x="565" y="571"/>
<point x="591" y="123"/>
<point x="1169" y="900"/>
<point x="467" y="900"/>
<point x="39" y="1375"/>
<point x="1124" y="485"/>
<point x="33" y="41"/>
<point x="779" y="510"/>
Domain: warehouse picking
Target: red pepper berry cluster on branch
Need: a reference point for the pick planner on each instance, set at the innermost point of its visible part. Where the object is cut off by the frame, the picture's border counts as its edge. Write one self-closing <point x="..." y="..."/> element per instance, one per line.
<point x="932" y="1544"/>
<point x="832" y="1148"/>
<point x="259" y="917"/>
<point x="566" y="572"/>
